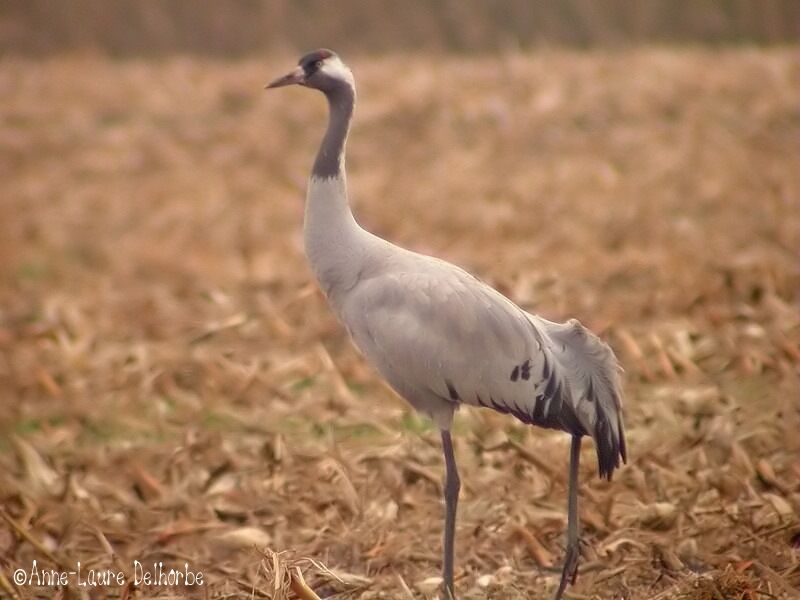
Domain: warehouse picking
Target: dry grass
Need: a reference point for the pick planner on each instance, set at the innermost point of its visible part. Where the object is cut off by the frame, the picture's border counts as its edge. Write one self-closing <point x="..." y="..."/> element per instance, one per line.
<point x="174" y="388"/>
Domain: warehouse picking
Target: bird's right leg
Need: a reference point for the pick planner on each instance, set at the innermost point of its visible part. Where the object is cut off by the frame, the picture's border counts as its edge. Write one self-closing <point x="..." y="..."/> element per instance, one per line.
<point x="570" y="571"/>
<point x="452" y="485"/>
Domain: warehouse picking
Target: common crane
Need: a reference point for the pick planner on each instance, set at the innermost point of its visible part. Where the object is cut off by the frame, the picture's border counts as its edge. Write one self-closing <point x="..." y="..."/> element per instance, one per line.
<point x="442" y="338"/>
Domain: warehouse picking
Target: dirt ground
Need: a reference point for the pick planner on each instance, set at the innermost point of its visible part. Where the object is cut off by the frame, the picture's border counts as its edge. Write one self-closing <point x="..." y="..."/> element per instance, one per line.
<point x="174" y="389"/>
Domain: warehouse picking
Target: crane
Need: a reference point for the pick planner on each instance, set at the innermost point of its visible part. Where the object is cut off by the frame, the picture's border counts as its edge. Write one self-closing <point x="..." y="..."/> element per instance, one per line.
<point x="442" y="338"/>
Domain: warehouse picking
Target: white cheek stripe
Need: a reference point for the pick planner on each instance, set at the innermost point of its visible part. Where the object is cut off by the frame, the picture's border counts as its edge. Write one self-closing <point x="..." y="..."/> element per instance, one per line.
<point x="337" y="69"/>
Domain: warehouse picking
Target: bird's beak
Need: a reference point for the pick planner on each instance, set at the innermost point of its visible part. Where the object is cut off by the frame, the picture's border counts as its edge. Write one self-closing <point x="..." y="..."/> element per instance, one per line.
<point x="296" y="76"/>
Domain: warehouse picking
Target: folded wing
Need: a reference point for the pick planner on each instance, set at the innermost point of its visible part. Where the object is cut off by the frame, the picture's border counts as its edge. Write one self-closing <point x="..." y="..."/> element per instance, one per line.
<point x="442" y="338"/>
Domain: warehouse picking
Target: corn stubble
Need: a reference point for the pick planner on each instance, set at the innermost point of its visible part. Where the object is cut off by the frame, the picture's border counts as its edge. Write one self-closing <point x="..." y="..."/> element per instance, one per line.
<point x="174" y="389"/>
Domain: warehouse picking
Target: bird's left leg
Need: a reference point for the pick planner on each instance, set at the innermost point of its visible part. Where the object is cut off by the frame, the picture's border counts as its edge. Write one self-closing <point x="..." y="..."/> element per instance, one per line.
<point x="452" y="485"/>
<point x="570" y="571"/>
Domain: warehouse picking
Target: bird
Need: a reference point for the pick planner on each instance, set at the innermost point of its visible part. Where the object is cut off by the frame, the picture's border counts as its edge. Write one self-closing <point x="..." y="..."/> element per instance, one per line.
<point x="442" y="338"/>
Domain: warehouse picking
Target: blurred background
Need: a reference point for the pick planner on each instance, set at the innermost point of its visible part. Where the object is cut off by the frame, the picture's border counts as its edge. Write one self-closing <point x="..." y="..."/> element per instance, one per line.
<point x="239" y="27"/>
<point x="173" y="386"/>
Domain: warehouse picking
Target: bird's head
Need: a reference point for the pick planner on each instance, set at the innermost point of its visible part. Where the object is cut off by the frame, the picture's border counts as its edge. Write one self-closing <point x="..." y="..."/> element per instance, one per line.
<point x="322" y="70"/>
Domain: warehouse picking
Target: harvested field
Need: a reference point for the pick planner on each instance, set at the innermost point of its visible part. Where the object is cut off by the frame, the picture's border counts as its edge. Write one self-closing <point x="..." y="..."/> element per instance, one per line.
<point x="174" y="388"/>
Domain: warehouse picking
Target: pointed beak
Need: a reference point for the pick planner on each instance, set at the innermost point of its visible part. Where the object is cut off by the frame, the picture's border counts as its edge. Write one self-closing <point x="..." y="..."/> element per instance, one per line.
<point x="295" y="77"/>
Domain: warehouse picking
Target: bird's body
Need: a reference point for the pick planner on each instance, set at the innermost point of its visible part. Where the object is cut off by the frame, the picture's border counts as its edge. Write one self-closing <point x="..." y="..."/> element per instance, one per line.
<point x="439" y="336"/>
<point x="442" y="338"/>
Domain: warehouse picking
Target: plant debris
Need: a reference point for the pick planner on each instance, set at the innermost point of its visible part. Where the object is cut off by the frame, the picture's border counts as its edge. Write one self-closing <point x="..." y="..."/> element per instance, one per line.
<point x="176" y="391"/>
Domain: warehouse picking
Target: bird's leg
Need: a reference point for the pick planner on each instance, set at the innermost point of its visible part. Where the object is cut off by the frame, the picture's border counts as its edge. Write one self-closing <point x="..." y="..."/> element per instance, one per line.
<point x="570" y="571"/>
<point x="452" y="485"/>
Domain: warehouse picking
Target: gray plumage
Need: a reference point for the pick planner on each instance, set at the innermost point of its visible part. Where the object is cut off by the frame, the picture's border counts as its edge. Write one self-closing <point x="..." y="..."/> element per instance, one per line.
<point x="441" y="337"/>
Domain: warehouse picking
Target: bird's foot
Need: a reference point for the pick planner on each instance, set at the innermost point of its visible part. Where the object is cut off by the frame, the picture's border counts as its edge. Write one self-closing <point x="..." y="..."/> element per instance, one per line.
<point x="448" y="591"/>
<point x="570" y="571"/>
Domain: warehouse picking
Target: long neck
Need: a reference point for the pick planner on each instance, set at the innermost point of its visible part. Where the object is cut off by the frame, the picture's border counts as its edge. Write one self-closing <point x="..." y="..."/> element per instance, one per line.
<point x="334" y="242"/>
<point x="330" y="158"/>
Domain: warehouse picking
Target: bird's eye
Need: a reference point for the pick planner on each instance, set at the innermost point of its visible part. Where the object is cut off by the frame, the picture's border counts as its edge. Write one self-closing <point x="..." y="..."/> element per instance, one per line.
<point x="318" y="64"/>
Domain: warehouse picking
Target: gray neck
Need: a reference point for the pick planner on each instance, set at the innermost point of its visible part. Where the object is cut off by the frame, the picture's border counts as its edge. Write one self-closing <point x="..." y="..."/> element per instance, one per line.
<point x="330" y="158"/>
<point x="335" y="245"/>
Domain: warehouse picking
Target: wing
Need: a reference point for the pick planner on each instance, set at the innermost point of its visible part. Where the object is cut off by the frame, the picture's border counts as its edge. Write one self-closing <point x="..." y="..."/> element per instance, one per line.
<point x="441" y="333"/>
<point x="441" y="337"/>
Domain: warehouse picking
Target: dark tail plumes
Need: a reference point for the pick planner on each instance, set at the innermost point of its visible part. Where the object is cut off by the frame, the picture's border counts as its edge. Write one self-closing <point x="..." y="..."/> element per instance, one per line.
<point x="593" y="371"/>
<point x="610" y="447"/>
<point x="609" y="431"/>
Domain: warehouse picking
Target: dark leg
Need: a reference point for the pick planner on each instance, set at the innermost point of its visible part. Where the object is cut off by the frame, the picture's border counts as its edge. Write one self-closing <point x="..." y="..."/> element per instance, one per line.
<point x="452" y="485"/>
<point x="570" y="572"/>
